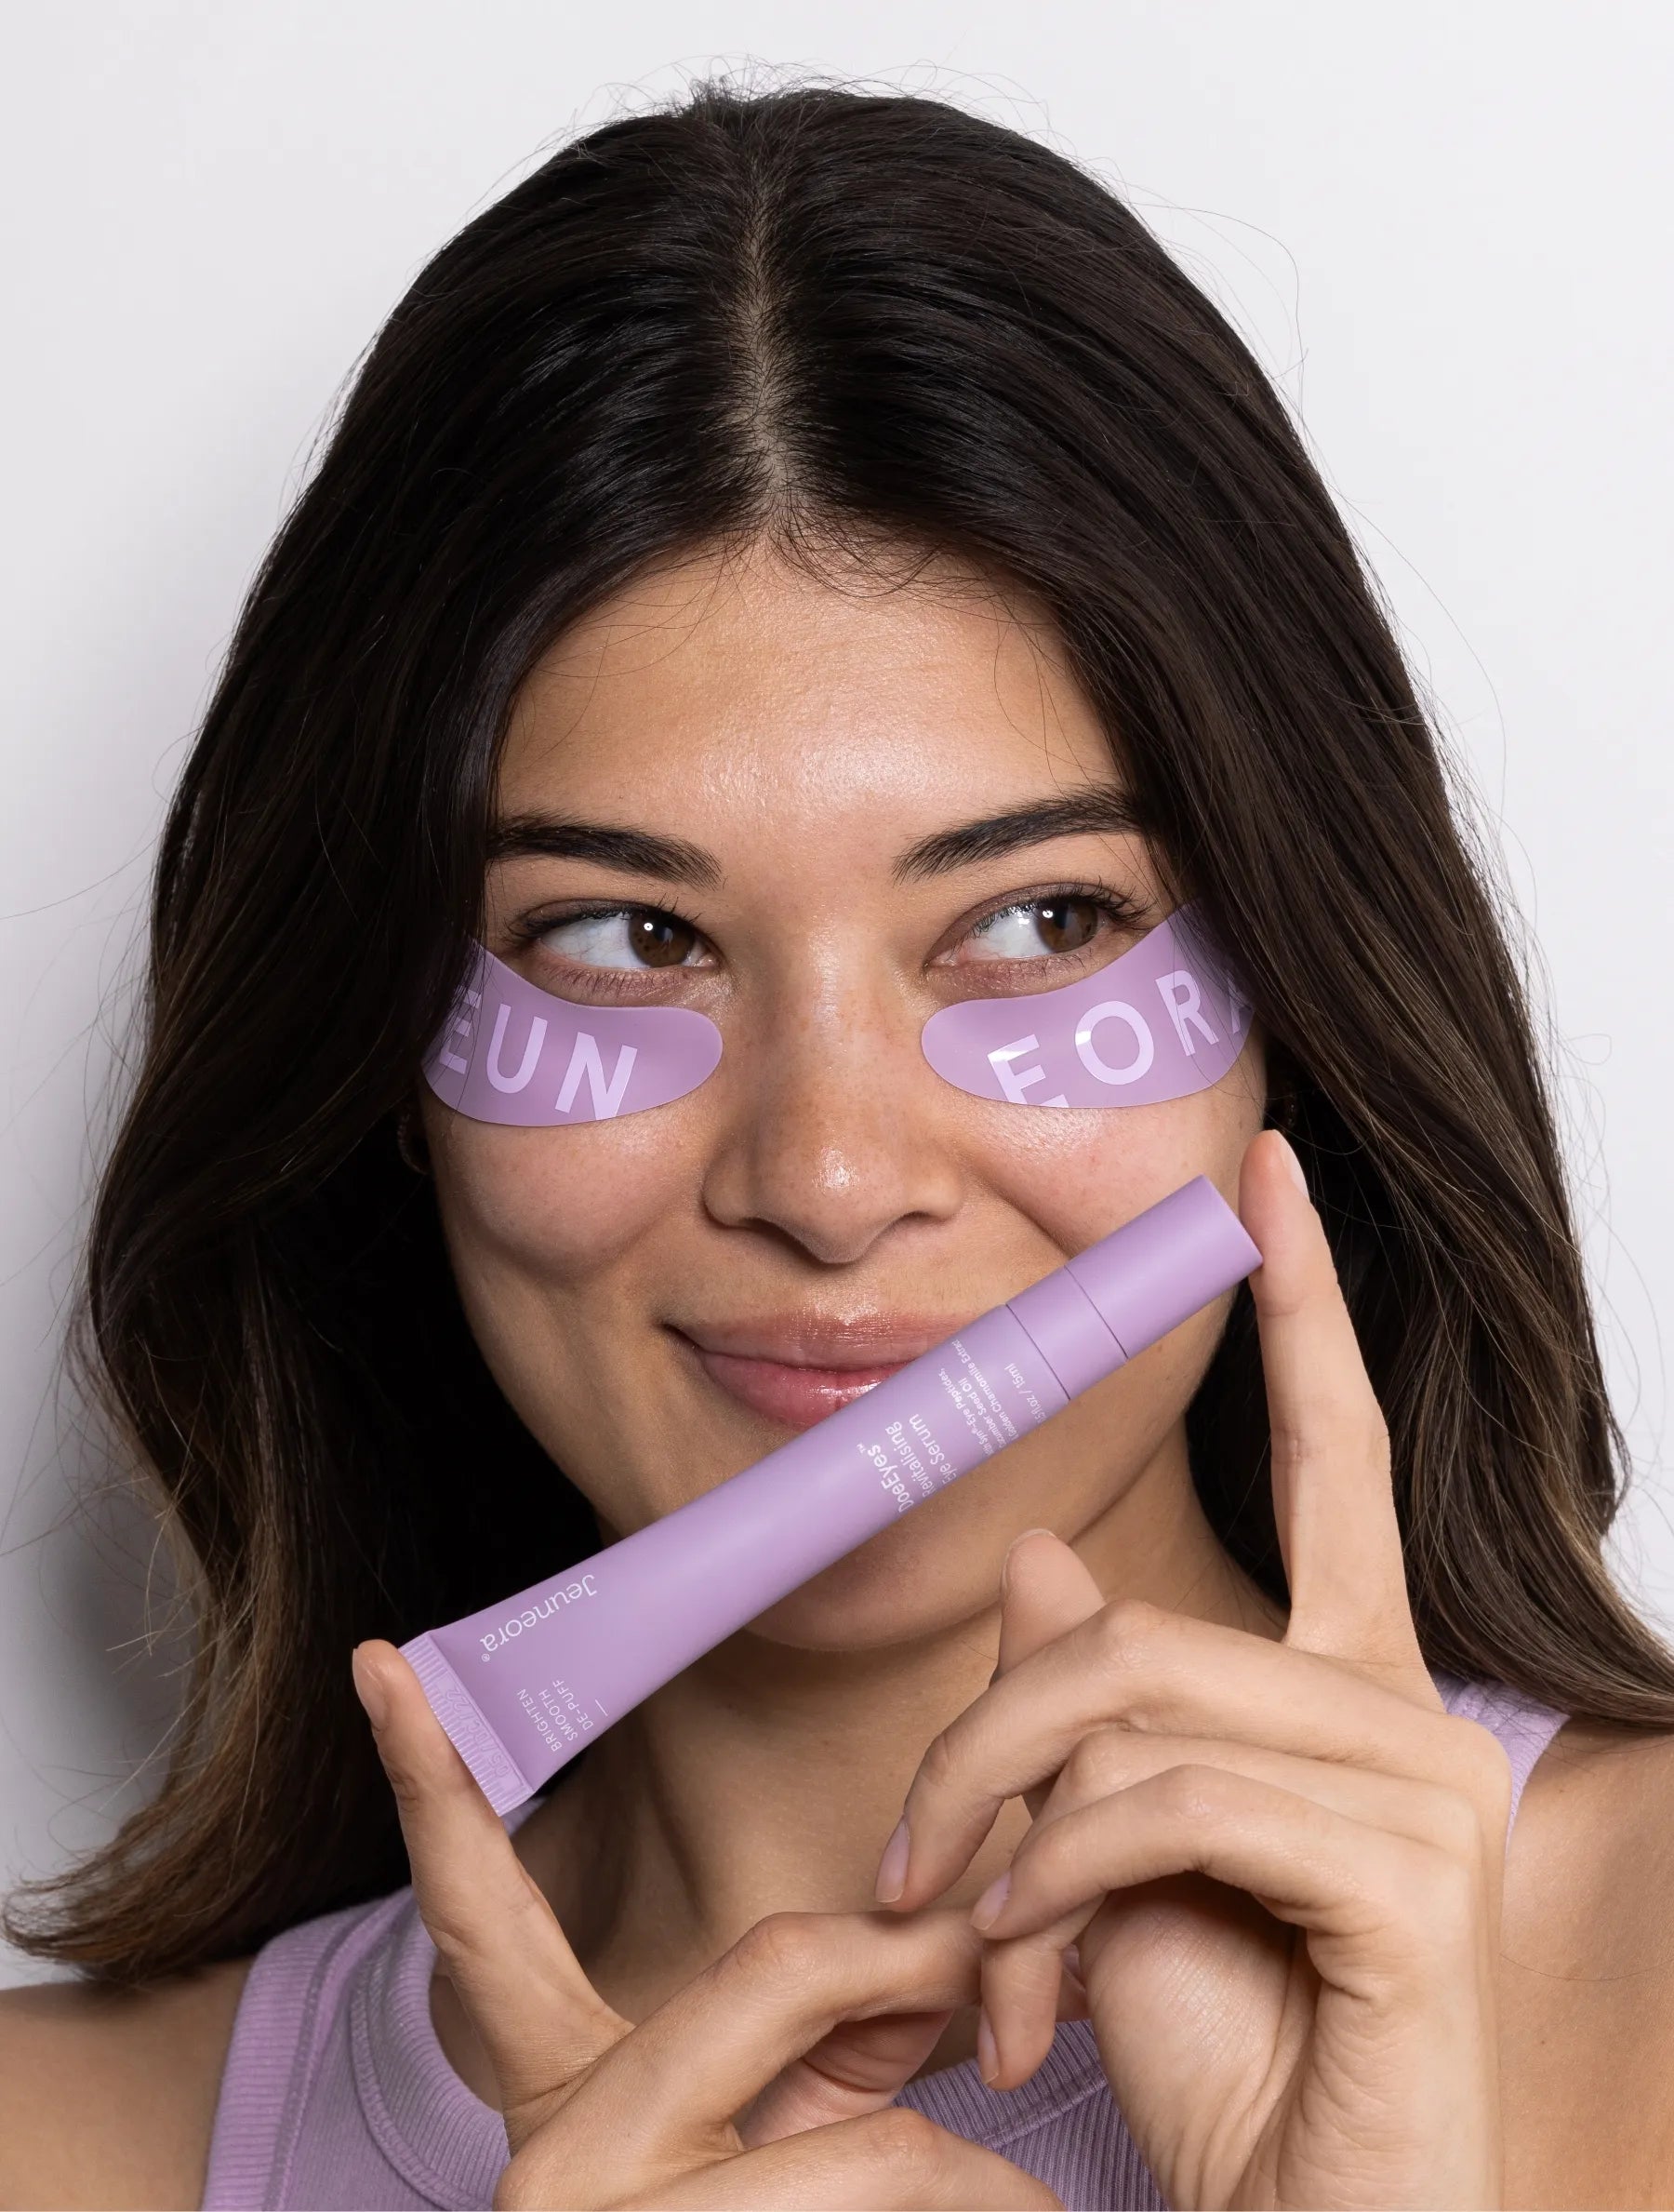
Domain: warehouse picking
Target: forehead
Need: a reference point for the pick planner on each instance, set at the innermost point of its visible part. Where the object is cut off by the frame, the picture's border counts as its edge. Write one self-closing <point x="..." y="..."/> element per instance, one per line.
<point x="742" y="689"/>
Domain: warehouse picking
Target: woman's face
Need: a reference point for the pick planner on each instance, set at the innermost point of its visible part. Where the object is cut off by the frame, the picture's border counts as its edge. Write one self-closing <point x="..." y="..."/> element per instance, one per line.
<point x="666" y="1297"/>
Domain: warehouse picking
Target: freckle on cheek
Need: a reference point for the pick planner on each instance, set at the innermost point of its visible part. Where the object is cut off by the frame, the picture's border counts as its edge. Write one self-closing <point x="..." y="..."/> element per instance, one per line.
<point x="553" y="1210"/>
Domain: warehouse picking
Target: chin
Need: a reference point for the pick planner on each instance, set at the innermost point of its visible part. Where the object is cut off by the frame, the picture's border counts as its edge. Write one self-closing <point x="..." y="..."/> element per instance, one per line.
<point x="879" y="1595"/>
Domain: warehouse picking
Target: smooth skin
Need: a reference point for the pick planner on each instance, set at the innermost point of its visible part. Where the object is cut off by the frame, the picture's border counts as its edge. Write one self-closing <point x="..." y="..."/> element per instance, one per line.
<point x="1277" y="1853"/>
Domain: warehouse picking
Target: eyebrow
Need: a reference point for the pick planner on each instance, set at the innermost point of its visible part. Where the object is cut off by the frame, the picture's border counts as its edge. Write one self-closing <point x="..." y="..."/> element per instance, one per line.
<point x="1101" y="807"/>
<point x="636" y="852"/>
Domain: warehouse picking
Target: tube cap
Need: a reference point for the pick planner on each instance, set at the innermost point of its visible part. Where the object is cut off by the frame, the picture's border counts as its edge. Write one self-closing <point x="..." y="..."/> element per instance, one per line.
<point x="1146" y="1277"/>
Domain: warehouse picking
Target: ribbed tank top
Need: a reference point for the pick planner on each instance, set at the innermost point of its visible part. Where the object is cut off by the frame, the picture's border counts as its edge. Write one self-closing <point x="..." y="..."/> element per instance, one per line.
<point x="335" y="2094"/>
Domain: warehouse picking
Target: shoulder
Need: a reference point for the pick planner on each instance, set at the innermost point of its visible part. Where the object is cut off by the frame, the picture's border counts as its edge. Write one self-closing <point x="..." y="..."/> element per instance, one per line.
<point x="108" y="2097"/>
<point x="1587" y="1970"/>
<point x="1606" y="1795"/>
<point x="1591" y="1863"/>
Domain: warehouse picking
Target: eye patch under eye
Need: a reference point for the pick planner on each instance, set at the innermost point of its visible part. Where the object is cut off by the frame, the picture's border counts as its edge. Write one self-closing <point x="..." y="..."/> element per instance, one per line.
<point x="1164" y="1020"/>
<point x="511" y="1052"/>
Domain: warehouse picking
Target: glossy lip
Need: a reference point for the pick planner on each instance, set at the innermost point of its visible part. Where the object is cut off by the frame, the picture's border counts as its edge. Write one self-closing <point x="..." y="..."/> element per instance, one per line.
<point x="820" y="1340"/>
<point x="795" y="1369"/>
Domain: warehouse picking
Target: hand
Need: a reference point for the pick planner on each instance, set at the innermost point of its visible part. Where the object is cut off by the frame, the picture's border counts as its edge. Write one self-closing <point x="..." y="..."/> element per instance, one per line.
<point x="766" y="2081"/>
<point x="1283" y="1859"/>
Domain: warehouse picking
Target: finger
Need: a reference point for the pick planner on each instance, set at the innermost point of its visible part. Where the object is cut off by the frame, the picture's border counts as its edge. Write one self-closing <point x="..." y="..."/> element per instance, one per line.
<point x="1470" y="1814"/>
<point x="1450" y="1816"/>
<point x="1034" y="1984"/>
<point x="710" y="2049"/>
<point x="1019" y="1973"/>
<point x="858" y="2068"/>
<point x="1026" y="1989"/>
<point x="1135" y="1665"/>
<point x="1332" y="1498"/>
<point x="538" y="2017"/>
<point x="888" y="2160"/>
<point x="1379" y="1908"/>
<point x="1045" y="1588"/>
<point x="861" y="2065"/>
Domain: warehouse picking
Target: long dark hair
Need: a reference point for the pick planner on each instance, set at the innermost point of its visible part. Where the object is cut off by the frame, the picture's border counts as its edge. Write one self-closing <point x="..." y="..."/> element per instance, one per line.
<point x="832" y="320"/>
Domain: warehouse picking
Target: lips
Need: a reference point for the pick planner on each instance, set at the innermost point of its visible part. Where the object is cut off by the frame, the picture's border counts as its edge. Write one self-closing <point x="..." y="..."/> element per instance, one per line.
<point x="793" y="1371"/>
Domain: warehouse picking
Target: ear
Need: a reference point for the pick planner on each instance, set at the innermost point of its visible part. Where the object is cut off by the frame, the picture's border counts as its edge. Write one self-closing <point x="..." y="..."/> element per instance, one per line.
<point x="409" y="1138"/>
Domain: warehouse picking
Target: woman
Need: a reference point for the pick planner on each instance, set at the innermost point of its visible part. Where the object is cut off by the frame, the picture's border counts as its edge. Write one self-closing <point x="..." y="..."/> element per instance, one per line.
<point x="813" y="559"/>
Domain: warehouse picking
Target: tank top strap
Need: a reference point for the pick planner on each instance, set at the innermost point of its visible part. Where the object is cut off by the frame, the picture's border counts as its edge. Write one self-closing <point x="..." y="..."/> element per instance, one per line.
<point x="1523" y="1724"/>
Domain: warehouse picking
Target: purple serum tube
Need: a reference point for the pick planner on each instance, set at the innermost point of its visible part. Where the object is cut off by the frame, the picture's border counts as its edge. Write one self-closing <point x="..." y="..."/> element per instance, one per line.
<point x="520" y="1687"/>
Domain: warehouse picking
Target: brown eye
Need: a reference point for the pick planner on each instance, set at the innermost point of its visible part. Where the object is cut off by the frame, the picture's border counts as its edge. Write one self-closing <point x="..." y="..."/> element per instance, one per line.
<point x="660" y="940"/>
<point x="1035" y="928"/>
<point x="1065" y="924"/>
<point x="621" y="937"/>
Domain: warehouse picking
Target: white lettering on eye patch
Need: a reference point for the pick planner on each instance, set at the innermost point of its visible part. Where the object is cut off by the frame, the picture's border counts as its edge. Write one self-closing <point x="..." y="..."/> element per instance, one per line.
<point x="460" y="1025"/>
<point x="587" y="1061"/>
<point x="1014" y="1082"/>
<point x="537" y="1030"/>
<point x="1145" y="1051"/>
<point x="1179" y="993"/>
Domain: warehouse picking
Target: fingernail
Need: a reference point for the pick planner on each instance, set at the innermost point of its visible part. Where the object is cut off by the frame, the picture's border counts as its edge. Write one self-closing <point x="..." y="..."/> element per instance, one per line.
<point x="892" y="1867"/>
<point x="369" y="1689"/>
<point x="1292" y="1163"/>
<point x="986" y="1911"/>
<point x="1005" y="1565"/>
<point x="988" y="2058"/>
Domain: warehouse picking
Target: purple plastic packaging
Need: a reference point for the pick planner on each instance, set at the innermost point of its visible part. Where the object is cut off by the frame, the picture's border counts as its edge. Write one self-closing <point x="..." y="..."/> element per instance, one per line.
<point x="520" y="1687"/>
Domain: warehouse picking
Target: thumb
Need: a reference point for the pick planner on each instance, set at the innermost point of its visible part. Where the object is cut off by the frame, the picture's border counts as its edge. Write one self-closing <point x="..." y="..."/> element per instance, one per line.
<point x="1046" y="1589"/>
<point x="536" y="2013"/>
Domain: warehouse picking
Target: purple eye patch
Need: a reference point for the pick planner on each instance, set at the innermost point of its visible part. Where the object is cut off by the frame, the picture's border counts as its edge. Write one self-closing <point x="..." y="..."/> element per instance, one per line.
<point x="511" y="1052"/>
<point x="1164" y="1020"/>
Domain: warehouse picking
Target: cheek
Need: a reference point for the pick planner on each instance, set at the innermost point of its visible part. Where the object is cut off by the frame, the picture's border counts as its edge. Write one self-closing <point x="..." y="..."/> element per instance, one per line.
<point x="1078" y="1173"/>
<point x="561" y="1205"/>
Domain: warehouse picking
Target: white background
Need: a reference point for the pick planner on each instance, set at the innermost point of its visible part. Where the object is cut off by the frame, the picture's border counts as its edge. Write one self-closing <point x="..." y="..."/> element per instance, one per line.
<point x="1443" y="224"/>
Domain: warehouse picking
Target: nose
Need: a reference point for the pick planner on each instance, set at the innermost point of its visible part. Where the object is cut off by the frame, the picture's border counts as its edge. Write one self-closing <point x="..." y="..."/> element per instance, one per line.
<point x="833" y="1137"/>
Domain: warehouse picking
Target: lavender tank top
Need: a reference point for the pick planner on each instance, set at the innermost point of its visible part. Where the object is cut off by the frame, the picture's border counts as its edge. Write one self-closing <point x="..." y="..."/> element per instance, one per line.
<point x="336" y="2096"/>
